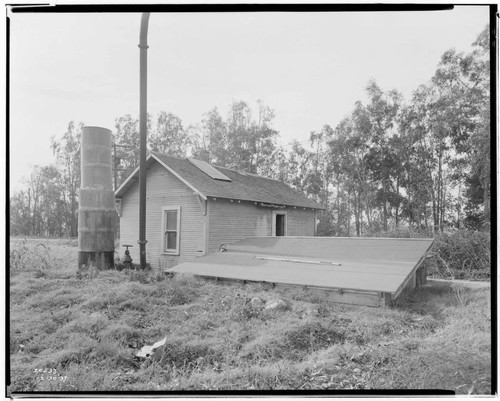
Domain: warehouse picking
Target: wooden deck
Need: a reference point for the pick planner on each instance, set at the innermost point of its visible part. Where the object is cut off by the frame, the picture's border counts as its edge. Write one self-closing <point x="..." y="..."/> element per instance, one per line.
<point x="365" y="271"/>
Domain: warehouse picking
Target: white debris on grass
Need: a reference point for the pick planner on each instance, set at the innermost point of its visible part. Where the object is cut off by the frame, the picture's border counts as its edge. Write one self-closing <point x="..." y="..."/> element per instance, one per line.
<point x="149" y="350"/>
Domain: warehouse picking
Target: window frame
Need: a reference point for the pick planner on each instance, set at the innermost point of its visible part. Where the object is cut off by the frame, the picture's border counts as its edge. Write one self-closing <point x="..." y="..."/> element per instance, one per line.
<point x="163" y="245"/>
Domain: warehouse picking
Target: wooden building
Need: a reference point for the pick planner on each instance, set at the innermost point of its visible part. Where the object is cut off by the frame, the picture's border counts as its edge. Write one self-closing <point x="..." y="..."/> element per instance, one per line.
<point x="194" y="208"/>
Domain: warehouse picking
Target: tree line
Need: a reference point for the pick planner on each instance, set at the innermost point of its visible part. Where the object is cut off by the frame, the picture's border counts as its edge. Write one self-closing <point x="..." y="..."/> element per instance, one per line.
<point x="422" y="164"/>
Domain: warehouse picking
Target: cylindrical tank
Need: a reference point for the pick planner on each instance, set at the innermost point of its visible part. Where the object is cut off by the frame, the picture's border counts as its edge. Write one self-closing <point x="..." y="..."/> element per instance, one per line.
<point x="96" y="213"/>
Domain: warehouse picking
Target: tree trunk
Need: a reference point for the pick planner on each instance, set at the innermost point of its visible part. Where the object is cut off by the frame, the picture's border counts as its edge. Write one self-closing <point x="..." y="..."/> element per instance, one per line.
<point x="397" y="203"/>
<point x="486" y="200"/>
<point x="368" y="211"/>
<point x="384" y="200"/>
<point x="440" y="192"/>
<point x="443" y="206"/>
<point x="356" y="214"/>
<point x="360" y="208"/>
<point x="434" y="210"/>
<point x="338" y="204"/>
<point x="384" y="188"/>
<point x="348" y="213"/>
<point x="29" y="212"/>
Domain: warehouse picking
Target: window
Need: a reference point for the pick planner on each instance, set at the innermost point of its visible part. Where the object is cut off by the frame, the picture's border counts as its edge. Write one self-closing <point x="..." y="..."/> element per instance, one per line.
<point x="171" y="229"/>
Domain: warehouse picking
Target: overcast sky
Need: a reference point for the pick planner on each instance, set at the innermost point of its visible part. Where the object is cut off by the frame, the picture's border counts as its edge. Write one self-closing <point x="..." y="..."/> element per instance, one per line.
<point x="309" y="67"/>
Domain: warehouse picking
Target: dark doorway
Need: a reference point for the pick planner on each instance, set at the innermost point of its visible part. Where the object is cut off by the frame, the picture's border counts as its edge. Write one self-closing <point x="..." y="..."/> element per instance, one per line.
<point x="280" y="225"/>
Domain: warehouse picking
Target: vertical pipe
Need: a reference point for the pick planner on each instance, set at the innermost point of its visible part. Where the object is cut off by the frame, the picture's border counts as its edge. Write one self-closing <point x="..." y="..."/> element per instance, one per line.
<point x="143" y="46"/>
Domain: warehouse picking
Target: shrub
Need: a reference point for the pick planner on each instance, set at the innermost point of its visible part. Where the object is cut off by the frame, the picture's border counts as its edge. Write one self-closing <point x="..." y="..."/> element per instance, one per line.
<point x="400" y="232"/>
<point x="466" y="253"/>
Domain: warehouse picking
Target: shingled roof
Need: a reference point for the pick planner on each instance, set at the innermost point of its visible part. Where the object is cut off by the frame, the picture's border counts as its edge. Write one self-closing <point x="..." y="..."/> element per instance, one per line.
<point x="243" y="186"/>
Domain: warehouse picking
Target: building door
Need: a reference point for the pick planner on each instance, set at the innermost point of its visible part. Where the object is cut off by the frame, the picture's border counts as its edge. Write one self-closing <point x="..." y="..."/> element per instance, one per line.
<point x="280" y="225"/>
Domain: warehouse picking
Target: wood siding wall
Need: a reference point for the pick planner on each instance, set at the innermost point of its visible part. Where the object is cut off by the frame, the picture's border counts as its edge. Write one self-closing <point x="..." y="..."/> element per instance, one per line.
<point x="300" y="222"/>
<point x="232" y="221"/>
<point x="163" y="189"/>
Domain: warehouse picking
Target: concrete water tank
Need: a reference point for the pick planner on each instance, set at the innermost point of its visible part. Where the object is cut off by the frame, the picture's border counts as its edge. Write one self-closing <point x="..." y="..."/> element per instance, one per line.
<point x="96" y="213"/>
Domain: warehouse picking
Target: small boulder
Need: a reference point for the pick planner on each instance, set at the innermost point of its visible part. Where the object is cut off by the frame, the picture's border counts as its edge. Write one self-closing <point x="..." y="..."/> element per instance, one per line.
<point x="257" y="303"/>
<point x="312" y="312"/>
<point x="278" y="305"/>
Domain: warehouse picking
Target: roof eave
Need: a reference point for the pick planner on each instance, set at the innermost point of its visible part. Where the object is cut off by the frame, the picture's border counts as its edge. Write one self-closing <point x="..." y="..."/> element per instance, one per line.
<point x="316" y="207"/>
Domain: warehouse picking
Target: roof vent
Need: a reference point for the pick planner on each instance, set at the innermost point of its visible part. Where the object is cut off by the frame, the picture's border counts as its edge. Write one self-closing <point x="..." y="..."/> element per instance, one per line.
<point x="209" y="170"/>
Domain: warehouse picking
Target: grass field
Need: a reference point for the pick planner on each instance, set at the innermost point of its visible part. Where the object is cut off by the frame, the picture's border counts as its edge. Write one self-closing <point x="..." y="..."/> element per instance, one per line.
<point x="84" y="333"/>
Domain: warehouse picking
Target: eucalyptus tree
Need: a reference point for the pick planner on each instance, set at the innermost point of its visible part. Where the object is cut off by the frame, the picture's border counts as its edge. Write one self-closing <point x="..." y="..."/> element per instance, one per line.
<point x="67" y="152"/>
<point x="381" y="113"/>
<point x="240" y="141"/>
<point x="416" y="165"/>
<point x="466" y="79"/>
<point x="19" y="218"/>
<point x="298" y="166"/>
<point x="453" y="111"/>
<point x="210" y="138"/>
<point x="126" y="150"/>
<point x="321" y="176"/>
<point x="41" y="209"/>
<point x="166" y="134"/>
<point x="169" y="136"/>
<point x="52" y="207"/>
<point x="349" y="149"/>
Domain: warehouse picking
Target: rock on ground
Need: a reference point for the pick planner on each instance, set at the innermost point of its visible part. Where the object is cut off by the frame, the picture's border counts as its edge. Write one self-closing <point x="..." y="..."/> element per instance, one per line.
<point x="257" y="303"/>
<point x="279" y="305"/>
<point x="312" y="312"/>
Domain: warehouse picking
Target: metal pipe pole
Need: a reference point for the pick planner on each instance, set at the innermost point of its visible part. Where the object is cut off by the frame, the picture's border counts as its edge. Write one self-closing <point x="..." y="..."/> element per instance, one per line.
<point x="143" y="127"/>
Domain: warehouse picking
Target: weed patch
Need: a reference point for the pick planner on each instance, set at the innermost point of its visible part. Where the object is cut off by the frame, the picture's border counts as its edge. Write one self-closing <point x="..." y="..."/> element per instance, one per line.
<point x="464" y="254"/>
<point x="182" y="358"/>
<point x="182" y="290"/>
<point x="293" y="343"/>
<point x="313" y="336"/>
<point x="123" y="335"/>
<point x="30" y="258"/>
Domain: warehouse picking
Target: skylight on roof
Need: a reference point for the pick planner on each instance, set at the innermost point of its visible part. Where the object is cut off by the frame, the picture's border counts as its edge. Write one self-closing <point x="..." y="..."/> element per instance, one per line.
<point x="209" y="170"/>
